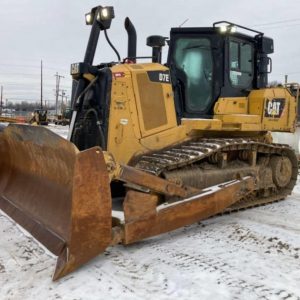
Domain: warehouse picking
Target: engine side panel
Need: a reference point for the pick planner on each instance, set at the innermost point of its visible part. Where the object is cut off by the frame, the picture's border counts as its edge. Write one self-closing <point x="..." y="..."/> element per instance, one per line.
<point x="142" y="114"/>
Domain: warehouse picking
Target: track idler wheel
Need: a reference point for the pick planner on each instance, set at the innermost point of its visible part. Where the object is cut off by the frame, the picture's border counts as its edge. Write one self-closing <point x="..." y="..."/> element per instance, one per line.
<point x="281" y="170"/>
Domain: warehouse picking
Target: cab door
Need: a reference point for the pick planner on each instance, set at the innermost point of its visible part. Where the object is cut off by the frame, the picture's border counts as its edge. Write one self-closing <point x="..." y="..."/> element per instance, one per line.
<point x="194" y="63"/>
<point x="195" y="59"/>
<point x="240" y="66"/>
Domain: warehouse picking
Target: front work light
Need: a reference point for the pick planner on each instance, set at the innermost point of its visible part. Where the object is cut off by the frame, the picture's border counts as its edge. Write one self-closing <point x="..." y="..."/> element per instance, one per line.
<point x="103" y="15"/>
<point x="89" y="18"/>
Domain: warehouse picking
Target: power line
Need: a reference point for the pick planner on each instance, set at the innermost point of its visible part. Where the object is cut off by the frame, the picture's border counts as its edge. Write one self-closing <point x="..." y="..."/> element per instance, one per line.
<point x="30" y="100"/>
<point x="32" y="67"/>
<point x="288" y="73"/>
<point x="31" y="75"/>
<point x="25" y="85"/>
<point x="277" y="22"/>
<point x="281" y="26"/>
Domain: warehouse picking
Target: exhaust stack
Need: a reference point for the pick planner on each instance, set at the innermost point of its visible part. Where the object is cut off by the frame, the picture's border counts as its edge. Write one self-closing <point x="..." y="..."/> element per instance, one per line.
<point x="131" y="52"/>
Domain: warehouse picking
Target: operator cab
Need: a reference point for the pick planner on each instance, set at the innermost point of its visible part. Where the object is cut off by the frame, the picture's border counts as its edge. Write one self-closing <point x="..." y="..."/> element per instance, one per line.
<point x="213" y="62"/>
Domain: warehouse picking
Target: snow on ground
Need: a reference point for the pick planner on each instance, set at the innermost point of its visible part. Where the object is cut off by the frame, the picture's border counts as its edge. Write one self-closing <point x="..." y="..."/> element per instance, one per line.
<point x="60" y="130"/>
<point x="252" y="254"/>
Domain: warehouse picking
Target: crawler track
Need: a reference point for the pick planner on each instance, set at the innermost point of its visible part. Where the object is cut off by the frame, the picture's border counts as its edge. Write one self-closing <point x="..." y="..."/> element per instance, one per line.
<point x="194" y="152"/>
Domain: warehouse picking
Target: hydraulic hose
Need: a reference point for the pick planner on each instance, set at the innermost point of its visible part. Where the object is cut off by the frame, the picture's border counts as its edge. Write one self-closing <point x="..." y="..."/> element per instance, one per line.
<point x="112" y="46"/>
<point x="101" y="134"/>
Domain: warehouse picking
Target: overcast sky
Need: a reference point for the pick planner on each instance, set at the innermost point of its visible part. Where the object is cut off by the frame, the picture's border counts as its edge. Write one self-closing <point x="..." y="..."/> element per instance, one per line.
<point x="55" y="31"/>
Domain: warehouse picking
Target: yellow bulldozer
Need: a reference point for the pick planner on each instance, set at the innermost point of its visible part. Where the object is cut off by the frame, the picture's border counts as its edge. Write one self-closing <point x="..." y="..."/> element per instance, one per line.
<point x="171" y="144"/>
<point x="39" y="117"/>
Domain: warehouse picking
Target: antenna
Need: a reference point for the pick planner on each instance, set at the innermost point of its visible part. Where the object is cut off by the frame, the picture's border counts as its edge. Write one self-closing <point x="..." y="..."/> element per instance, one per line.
<point x="183" y="22"/>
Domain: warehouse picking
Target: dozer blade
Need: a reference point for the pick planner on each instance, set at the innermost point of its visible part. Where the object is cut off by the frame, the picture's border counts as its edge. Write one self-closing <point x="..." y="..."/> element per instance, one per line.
<point x="144" y="218"/>
<point x="58" y="194"/>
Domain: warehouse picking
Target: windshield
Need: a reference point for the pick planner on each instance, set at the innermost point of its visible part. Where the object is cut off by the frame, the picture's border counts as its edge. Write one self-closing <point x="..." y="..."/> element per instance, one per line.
<point x="194" y="58"/>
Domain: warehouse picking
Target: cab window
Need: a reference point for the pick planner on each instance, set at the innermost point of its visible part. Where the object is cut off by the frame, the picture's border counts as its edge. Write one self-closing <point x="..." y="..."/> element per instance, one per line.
<point x="240" y="63"/>
<point x="193" y="58"/>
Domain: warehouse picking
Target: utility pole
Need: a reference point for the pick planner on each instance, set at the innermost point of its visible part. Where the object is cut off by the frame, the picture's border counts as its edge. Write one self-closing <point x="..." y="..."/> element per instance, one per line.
<point x="62" y="101"/>
<point x="285" y="79"/>
<point x="1" y="99"/>
<point x="66" y="97"/>
<point x="58" y="77"/>
<point x="41" y="84"/>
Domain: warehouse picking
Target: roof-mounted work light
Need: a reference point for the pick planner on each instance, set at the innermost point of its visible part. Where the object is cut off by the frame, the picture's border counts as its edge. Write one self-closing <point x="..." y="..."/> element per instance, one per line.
<point x="227" y="29"/>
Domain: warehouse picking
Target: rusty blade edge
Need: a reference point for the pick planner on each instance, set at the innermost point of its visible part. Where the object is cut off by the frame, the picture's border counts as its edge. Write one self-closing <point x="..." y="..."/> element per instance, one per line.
<point x="49" y="239"/>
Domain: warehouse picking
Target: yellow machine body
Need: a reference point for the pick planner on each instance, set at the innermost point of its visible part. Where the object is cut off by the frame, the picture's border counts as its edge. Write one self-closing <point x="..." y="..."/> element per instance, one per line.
<point x="143" y="117"/>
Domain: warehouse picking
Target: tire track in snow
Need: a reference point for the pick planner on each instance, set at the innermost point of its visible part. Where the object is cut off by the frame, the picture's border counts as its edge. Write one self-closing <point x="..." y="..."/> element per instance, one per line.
<point x="228" y="271"/>
<point x="139" y="275"/>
